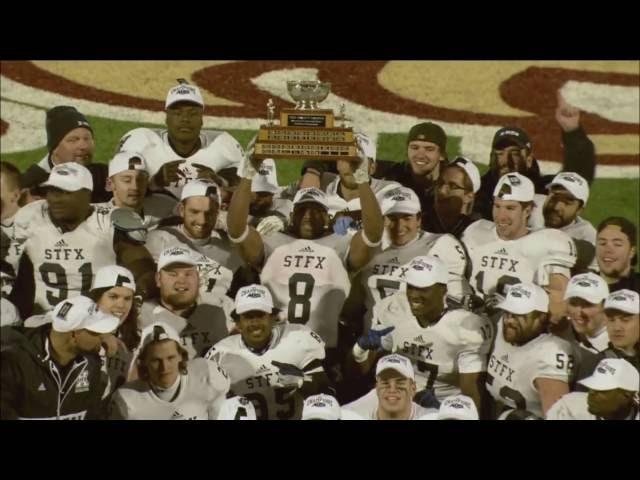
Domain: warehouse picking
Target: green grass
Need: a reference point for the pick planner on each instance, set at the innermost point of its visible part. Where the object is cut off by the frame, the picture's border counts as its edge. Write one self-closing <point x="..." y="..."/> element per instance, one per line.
<point x="608" y="196"/>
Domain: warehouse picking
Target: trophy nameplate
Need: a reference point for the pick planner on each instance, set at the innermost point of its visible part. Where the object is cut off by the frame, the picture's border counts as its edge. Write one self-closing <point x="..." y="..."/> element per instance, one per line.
<point x="305" y="132"/>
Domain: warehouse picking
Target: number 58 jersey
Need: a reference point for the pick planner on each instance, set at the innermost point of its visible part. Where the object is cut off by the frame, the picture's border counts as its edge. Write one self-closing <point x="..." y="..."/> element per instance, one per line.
<point x="253" y="376"/>
<point x="513" y="369"/>
<point x="458" y="343"/>
<point x="532" y="258"/>
<point x="64" y="262"/>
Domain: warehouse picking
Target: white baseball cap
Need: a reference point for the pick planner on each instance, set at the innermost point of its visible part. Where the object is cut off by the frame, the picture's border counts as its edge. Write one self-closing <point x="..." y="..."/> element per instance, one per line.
<point x="237" y="408"/>
<point x="573" y="183"/>
<point x="79" y="313"/>
<point x="399" y="363"/>
<point x="267" y="179"/>
<point x="472" y="171"/>
<point x="425" y="271"/>
<point x="522" y="189"/>
<point x="400" y="200"/>
<point x="458" y="407"/>
<point x="588" y="286"/>
<point x="625" y="300"/>
<point x="200" y="187"/>
<point x="173" y="255"/>
<point x="124" y="161"/>
<point x="367" y="145"/>
<point x="321" y="407"/>
<point x="524" y="298"/>
<point x="70" y="177"/>
<point x="184" y="93"/>
<point x="311" y="195"/>
<point x="253" y="297"/>
<point x="612" y="373"/>
<point x="156" y="332"/>
<point x="113" y="276"/>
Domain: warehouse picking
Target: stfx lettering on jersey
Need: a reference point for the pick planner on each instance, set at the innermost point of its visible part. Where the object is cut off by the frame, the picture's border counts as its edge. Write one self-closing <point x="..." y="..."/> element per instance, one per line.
<point x="500" y="369"/>
<point x="63" y="254"/>
<point x="499" y="263"/>
<point x="304" y="261"/>
<point x="389" y="270"/>
<point x="424" y="352"/>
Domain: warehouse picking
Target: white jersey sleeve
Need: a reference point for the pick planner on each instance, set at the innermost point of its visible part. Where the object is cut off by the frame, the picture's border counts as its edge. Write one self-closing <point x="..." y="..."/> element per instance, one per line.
<point x="475" y="335"/>
<point x="450" y="250"/>
<point x="571" y="406"/>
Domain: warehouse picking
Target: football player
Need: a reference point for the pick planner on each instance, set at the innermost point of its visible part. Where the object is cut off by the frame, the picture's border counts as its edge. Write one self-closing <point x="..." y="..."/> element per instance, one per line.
<point x="274" y="365"/>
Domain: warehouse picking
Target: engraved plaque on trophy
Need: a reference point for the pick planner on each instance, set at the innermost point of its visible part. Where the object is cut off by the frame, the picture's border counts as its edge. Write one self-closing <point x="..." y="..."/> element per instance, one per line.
<point x="306" y="131"/>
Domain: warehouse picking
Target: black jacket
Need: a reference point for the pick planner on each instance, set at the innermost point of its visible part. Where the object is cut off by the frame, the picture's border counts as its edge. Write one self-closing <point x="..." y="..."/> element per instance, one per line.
<point x="632" y="282"/>
<point x="39" y="173"/>
<point x="579" y="157"/>
<point x="33" y="386"/>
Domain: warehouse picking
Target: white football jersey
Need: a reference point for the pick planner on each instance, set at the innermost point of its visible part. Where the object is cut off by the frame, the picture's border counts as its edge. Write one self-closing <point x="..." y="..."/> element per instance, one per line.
<point x="457" y="343"/>
<point x="201" y="393"/>
<point x="366" y="407"/>
<point x="217" y="148"/>
<point x="205" y="325"/>
<point x="253" y="376"/>
<point x="217" y="247"/>
<point x="377" y="276"/>
<point x="309" y="284"/>
<point x="571" y="406"/>
<point x="64" y="263"/>
<point x="9" y="315"/>
<point x="532" y="258"/>
<point x="513" y="369"/>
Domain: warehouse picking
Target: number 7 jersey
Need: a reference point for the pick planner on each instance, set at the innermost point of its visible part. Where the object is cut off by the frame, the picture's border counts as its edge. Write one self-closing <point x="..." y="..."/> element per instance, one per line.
<point x="64" y="263"/>
<point x="458" y="343"/>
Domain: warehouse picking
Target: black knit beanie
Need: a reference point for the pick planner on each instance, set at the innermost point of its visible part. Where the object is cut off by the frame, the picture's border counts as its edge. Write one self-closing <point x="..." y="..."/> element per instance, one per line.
<point x="429" y="132"/>
<point x="60" y="121"/>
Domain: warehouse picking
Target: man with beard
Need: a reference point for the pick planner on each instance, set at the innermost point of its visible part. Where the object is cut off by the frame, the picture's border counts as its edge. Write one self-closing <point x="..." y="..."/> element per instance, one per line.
<point x="275" y="365"/>
<point x="528" y="369"/>
<point x="198" y="211"/>
<point x="199" y="324"/>
<point x="512" y="152"/>
<point x="53" y="372"/>
<point x="183" y="151"/>
<point x="613" y="395"/>
<point x="451" y="211"/>
<point x="616" y="253"/>
<point x="69" y="139"/>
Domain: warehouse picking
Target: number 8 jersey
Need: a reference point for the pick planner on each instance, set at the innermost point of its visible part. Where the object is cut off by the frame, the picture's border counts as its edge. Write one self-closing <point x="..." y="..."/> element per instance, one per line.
<point x="513" y="369"/>
<point x="64" y="262"/>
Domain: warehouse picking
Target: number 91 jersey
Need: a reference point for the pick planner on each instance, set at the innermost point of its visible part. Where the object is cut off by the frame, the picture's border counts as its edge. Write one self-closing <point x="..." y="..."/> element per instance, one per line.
<point x="497" y="263"/>
<point x="458" y="343"/>
<point x="64" y="263"/>
<point x="513" y="369"/>
<point x="254" y="377"/>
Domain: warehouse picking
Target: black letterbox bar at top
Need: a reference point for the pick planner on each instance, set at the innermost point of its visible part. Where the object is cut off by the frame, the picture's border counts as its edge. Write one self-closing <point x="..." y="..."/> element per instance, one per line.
<point x="306" y="121"/>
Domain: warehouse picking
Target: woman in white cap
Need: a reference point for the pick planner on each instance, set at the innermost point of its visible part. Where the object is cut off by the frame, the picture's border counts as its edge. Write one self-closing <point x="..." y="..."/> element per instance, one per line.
<point x="113" y="290"/>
